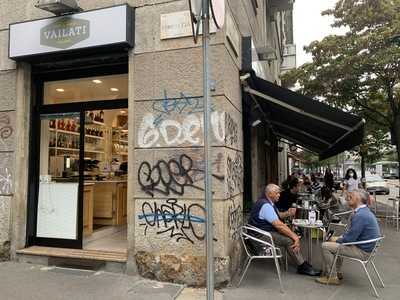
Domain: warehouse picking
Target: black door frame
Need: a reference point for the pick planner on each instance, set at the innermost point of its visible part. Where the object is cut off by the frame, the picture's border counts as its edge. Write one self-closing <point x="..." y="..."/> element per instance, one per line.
<point x="38" y="109"/>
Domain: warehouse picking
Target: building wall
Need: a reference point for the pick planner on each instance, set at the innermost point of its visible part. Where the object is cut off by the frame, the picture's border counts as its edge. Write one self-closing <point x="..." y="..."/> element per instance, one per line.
<point x="166" y="207"/>
<point x="169" y="214"/>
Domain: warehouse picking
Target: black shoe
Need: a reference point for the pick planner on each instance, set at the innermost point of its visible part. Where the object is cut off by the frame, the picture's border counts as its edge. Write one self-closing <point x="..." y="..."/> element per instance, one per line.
<point x="307" y="269"/>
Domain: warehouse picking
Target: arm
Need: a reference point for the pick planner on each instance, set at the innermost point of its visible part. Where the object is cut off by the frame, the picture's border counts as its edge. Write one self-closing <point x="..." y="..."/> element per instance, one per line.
<point x="289" y="213"/>
<point x="284" y="229"/>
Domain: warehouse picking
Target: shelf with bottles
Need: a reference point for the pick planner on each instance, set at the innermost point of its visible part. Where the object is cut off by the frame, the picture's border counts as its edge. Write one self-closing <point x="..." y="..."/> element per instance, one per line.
<point x="95" y="117"/>
<point x="66" y="125"/>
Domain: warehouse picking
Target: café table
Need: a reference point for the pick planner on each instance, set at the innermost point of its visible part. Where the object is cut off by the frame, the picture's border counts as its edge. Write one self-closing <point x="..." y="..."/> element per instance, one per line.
<point x="304" y="223"/>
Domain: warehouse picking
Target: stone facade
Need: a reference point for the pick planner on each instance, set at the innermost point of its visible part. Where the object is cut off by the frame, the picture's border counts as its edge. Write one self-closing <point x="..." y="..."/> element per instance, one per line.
<point x="166" y="214"/>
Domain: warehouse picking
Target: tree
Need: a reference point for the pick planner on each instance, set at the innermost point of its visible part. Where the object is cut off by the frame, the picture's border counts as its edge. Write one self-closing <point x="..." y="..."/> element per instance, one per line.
<point x="360" y="70"/>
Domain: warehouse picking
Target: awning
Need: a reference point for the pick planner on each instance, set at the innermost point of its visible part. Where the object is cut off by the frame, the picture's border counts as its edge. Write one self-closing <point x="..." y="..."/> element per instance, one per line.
<point x="304" y="121"/>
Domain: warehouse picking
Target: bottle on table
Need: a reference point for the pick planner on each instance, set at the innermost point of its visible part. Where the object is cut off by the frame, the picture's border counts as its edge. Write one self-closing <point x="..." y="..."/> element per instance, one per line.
<point x="312" y="215"/>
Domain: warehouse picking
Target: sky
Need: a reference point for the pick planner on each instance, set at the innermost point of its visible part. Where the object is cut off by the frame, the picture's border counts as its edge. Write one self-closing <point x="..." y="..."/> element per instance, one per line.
<point x="309" y="25"/>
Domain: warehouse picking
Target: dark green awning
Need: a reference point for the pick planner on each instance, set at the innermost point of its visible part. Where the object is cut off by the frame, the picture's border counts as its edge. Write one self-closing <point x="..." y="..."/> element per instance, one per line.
<point x="314" y="125"/>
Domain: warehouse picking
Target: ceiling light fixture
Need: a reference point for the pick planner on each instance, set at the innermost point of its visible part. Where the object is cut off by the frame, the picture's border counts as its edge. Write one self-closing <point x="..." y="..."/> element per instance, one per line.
<point x="114" y="89"/>
<point x="97" y="81"/>
<point x="122" y="112"/>
<point x="60" y="90"/>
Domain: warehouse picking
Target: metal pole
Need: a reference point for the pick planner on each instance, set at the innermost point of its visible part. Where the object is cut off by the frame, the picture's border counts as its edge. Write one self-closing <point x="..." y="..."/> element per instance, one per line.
<point x="207" y="154"/>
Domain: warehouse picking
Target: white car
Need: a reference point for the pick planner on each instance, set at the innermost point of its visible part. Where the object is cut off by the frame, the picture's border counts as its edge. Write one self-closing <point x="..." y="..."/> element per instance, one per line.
<point x="377" y="184"/>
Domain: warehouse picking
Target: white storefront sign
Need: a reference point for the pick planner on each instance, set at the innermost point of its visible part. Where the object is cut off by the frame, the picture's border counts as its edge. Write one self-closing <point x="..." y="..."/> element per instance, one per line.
<point x="177" y="25"/>
<point x="101" y="27"/>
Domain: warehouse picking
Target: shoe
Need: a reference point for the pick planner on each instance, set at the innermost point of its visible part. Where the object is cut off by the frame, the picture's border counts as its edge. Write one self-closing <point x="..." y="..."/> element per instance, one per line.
<point x="340" y="275"/>
<point x="332" y="281"/>
<point x="307" y="269"/>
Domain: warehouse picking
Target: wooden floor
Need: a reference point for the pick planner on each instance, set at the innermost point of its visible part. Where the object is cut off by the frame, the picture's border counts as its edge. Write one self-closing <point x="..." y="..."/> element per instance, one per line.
<point x="75" y="253"/>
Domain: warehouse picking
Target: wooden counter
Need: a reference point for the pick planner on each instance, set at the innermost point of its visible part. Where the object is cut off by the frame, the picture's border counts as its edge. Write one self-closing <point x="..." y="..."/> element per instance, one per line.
<point x="88" y="208"/>
<point x="109" y="202"/>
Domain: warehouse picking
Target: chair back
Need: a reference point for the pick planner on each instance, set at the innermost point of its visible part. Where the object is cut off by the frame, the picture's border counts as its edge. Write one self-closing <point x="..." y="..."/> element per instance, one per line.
<point x="249" y="233"/>
<point x="378" y="242"/>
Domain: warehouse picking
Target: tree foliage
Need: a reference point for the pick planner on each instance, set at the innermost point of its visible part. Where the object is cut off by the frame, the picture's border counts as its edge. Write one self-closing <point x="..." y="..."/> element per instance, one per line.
<point x="358" y="71"/>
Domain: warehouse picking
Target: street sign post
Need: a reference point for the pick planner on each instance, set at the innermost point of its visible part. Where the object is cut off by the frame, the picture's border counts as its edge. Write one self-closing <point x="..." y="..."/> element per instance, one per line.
<point x="200" y="11"/>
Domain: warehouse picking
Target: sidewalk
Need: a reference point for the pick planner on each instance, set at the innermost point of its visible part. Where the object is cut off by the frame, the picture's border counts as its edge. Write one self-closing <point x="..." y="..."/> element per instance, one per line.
<point x="261" y="281"/>
<point x="20" y="281"/>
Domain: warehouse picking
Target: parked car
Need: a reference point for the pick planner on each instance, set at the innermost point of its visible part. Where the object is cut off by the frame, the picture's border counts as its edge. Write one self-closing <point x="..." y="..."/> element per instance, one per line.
<point x="375" y="183"/>
<point x="391" y="175"/>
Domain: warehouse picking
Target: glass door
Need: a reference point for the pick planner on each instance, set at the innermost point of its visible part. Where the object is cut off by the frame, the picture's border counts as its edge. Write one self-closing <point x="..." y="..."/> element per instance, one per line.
<point x="59" y="206"/>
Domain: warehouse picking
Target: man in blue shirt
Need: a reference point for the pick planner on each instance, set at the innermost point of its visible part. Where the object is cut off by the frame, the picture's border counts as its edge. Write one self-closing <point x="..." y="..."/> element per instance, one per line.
<point x="363" y="227"/>
<point x="265" y="216"/>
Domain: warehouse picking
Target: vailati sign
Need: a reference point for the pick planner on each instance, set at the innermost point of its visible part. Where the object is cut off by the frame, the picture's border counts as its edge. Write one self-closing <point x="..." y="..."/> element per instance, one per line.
<point x="65" y="33"/>
<point x="72" y="32"/>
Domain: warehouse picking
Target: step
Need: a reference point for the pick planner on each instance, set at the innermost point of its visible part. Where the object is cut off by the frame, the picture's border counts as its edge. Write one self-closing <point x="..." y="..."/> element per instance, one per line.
<point x="107" y="256"/>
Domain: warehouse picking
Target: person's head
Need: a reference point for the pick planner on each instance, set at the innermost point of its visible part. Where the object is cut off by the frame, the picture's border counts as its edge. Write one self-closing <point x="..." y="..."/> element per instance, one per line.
<point x="326" y="192"/>
<point x="351" y="173"/>
<point x="294" y="185"/>
<point x="306" y="180"/>
<point x="357" y="198"/>
<point x="313" y="178"/>
<point x="272" y="192"/>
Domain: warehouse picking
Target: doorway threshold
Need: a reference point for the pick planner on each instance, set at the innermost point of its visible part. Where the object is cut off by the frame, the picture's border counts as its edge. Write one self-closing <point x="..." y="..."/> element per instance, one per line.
<point x="97" y="255"/>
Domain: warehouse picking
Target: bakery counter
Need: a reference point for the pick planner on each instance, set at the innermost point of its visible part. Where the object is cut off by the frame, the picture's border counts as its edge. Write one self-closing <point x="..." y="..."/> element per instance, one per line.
<point x="109" y="202"/>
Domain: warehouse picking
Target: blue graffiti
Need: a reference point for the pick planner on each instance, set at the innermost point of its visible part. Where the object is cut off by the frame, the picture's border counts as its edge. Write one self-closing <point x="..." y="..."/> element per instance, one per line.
<point x="185" y="104"/>
<point x="173" y="218"/>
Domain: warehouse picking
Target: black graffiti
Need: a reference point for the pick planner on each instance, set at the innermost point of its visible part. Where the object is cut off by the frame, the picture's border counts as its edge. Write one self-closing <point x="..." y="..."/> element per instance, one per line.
<point x="5" y="131"/>
<point x="234" y="173"/>
<point x="235" y="217"/>
<point x="180" y="221"/>
<point x="169" y="177"/>
<point x="231" y="130"/>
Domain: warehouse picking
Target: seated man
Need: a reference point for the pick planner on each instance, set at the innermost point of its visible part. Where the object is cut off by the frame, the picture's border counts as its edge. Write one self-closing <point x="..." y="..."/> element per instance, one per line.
<point x="363" y="227"/>
<point x="265" y="216"/>
<point x="288" y="196"/>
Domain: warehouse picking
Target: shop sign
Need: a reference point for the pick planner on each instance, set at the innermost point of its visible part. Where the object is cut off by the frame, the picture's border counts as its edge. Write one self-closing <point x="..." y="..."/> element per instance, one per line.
<point x="65" y="33"/>
<point x="95" y="28"/>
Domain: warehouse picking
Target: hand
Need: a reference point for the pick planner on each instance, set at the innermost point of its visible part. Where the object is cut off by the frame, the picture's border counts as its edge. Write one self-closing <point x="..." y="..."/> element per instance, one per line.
<point x="296" y="245"/>
<point x="334" y="238"/>
<point x="292" y="212"/>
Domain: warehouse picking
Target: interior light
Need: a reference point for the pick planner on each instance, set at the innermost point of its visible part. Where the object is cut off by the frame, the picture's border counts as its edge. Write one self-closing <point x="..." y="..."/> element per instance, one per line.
<point x="114" y="89"/>
<point x="60" y="90"/>
<point x="122" y="112"/>
<point x="97" y="81"/>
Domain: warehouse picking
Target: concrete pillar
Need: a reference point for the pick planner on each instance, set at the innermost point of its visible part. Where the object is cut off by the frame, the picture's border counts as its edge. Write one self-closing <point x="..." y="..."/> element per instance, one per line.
<point x="168" y="168"/>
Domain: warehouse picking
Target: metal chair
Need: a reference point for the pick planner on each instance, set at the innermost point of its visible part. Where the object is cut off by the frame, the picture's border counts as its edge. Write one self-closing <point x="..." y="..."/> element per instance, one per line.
<point x="393" y="213"/>
<point x="270" y="251"/>
<point x="344" y="220"/>
<point x="364" y="263"/>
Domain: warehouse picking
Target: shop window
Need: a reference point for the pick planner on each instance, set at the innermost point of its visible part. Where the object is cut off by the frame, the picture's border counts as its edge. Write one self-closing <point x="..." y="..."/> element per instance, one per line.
<point x="96" y="88"/>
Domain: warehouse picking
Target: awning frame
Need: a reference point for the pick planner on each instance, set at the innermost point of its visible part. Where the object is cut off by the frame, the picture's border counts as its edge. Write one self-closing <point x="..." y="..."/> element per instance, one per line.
<point x="341" y="130"/>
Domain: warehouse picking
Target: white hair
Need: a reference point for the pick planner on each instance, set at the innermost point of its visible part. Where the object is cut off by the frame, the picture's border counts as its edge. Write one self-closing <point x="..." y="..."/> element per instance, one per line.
<point x="362" y="195"/>
<point x="272" y="187"/>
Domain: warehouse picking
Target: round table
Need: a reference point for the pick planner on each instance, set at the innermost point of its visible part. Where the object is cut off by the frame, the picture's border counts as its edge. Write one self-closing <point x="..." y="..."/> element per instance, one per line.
<point x="303" y="223"/>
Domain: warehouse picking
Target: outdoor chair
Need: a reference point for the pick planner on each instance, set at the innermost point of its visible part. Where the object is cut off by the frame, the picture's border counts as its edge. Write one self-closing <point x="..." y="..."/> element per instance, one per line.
<point x="337" y="220"/>
<point x="252" y="246"/>
<point x="364" y="263"/>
